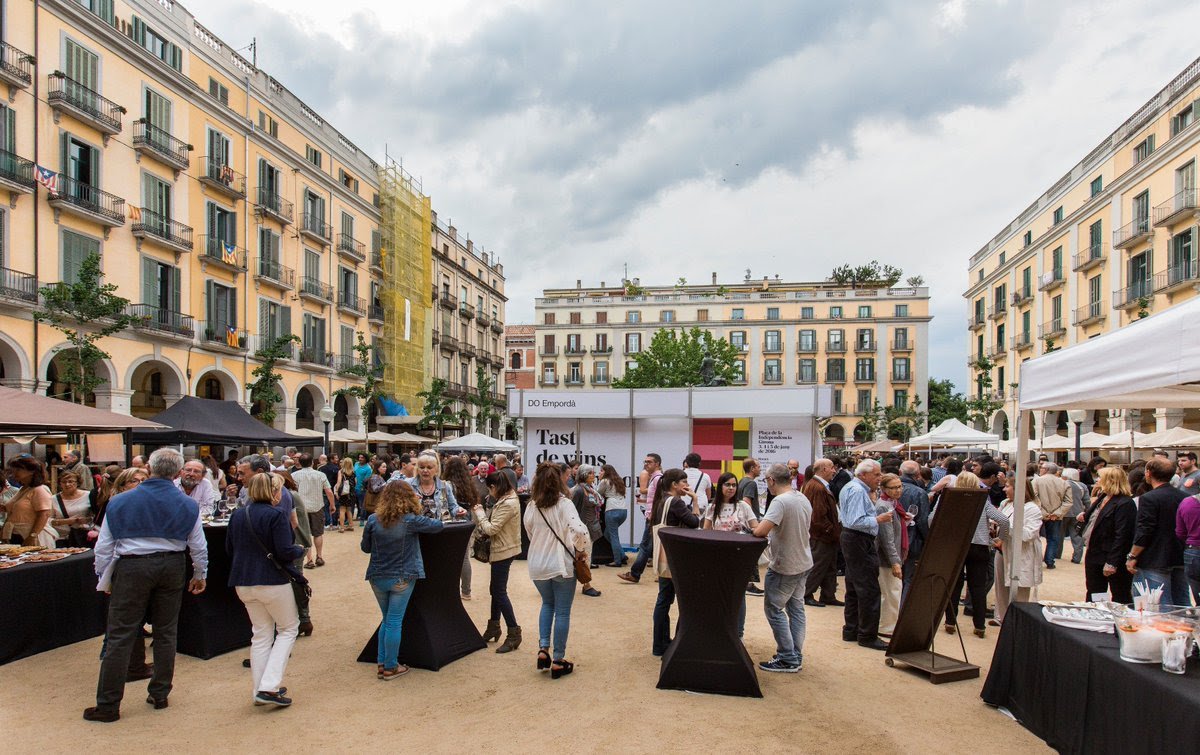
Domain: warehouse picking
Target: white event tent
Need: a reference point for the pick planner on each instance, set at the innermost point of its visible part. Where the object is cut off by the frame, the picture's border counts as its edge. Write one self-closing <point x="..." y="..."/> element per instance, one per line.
<point x="476" y="442"/>
<point x="1104" y="373"/>
<point x="952" y="432"/>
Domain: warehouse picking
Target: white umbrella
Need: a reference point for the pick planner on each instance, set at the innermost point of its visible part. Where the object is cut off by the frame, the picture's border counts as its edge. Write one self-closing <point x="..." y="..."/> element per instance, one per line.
<point x="1127" y="439"/>
<point x="308" y="433"/>
<point x="476" y="442"/>
<point x="1093" y="440"/>
<point x="1176" y="437"/>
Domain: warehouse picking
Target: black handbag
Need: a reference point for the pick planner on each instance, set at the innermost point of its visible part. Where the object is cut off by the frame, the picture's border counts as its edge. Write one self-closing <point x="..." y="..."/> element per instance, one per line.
<point x="481" y="547"/>
<point x="288" y="571"/>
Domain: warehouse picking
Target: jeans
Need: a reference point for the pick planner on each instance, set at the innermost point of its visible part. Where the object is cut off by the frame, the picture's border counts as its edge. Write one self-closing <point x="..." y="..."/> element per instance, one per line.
<point x="1173" y="582"/>
<point x="662" y="615"/>
<point x="1191" y="563"/>
<point x="1077" y="544"/>
<point x="783" y="603"/>
<point x="612" y="523"/>
<point x="498" y="588"/>
<point x="1053" y="530"/>
<point x="272" y="612"/>
<point x="362" y="497"/>
<point x="644" y="552"/>
<point x="392" y="595"/>
<point x="557" y="595"/>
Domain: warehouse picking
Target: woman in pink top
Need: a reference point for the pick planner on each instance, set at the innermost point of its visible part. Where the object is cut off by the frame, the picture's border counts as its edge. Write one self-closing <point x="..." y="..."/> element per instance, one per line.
<point x="1187" y="529"/>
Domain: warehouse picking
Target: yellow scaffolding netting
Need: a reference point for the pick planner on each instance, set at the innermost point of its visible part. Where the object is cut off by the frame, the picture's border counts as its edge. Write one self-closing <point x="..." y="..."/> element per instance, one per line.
<point x="404" y="228"/>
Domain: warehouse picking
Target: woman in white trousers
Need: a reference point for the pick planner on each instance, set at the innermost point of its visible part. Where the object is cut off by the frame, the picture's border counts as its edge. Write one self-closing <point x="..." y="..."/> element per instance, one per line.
<point x="1028" y="554"/>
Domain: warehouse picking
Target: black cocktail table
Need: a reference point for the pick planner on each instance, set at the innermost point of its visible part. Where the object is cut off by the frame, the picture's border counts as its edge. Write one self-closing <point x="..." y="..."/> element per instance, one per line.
<point x="215" y="621"/>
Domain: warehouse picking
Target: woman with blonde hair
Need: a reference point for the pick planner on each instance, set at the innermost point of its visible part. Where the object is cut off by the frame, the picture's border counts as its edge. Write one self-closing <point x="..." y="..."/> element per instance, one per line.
<point x="390" y="536"/>
<point x="1109" y="530"/>
<point x="975" y="571"/>
<point x="343" y="493"/>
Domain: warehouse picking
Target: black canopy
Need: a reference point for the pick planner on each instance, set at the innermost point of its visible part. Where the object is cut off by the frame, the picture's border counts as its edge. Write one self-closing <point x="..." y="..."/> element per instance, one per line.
<point x="202" y="420"/>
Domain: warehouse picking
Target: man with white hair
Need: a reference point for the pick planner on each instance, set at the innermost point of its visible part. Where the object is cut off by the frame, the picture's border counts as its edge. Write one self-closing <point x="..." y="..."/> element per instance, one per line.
<point x="1054" y="497"/>
<point x="142" y="542"/>
<point x="196" y="486"/>
<point x="860" y="525"/>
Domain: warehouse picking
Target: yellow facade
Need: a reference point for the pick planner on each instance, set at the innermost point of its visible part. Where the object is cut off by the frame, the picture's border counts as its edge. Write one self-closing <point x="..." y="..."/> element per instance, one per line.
<point x="869" y="344"/>
<point x="225" y="209"/>
<point x="1113" y="240"/>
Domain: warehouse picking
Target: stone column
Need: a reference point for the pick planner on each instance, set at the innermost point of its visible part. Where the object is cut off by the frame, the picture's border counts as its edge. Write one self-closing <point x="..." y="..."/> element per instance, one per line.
<point x="1165" y="419"/>
<point x="114" y="400"/>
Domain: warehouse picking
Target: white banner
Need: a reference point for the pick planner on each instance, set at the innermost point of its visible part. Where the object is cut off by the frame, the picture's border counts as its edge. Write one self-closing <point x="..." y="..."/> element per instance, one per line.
<point x="775" y="440"/>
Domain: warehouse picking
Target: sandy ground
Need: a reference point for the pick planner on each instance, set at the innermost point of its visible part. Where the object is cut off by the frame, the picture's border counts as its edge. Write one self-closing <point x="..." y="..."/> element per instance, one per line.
<point x="845" y="699"/>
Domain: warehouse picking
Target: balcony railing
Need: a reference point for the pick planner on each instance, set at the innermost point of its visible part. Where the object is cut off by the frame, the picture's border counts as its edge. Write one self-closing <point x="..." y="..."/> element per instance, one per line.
<point x="1021" y="341"/>
<point x="602" y="349"/>
<point x="1132" y="234"/>
<point x="1179" y="207"/>
<point x="163" y="230"/>
<point x="468" y="350"/>
<point x="270" y="270"/>
<point x="1050" y="279"/>
<point x="80" y="198"/>
<point x="446" y="302"/>
<point x="497" y="327"/>
<point x="772" y="378"/>
<point x="1090" y="257"/>
<point x="864" y="346"/>
<point x="466" y="310"/>
<point x="315" y="227"/>
<point x="260" y="341"/>
<point x="348" y="246"/>
<point x="772" y="347"/>
<point x="576" y="350"/>
<point x="600" y="380"/>
<point x="1183" y="273"/>
<point x="483" y="320"/>
<point x="449" y="342"/>
<point x="274" y="205"/>
<point x="215" y="173"/>
<point x="315" y="356"/>
<point x="314" y="288"/>
<point x="71" y="96"/>
<point x="835" y="347"/>
<point x="835" y="377"/>
<point x="997" y="349"/>
<point x="377" y="264"/>
<point x="997" y="311"/>
<point x="864" y="377"/>
<point x="1089" y="313"/>
<point x="548" y="351"/>
<point x="806" y="347"/>
<point x="223" y="334"/>
<point x="1129" y="296"/>
<point x="904" y="376"/>
<point x="375" y="312"/>
<point x="221" y="252"/>
<point x="803" y="378"/>
<point x="159" y="320"/>
<point x="16" y="172"/>
<point x="1021" y="296"/>
<point x="548" y="380"/>
<point x="902" y="344"/>
<point x="343" y="362"/>
<point x="973" y="359"/>
<point x="1052" y="329"/>
<point x="157" y="143"/>
<point x="19" y="286"/>
<point x="632" y="352"/>
<point x="16" y="67"/>
<point x="350" y="302"/>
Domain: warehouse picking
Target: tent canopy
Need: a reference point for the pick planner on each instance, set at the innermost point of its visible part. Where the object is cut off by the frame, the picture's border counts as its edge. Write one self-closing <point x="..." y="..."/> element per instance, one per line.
<point x="1153" y="362"/>
<point x="202" y="420"/>
<point x="953" y="433"/>
<point x="24" y="413"/>
<point x="1176" y="437"/>
<point x="476" y="442"/>
<point x="878" y="446"/>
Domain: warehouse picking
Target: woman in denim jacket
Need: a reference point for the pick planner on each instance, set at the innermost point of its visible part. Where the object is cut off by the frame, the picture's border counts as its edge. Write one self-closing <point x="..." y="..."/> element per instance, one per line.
<point x="390" y="536"/>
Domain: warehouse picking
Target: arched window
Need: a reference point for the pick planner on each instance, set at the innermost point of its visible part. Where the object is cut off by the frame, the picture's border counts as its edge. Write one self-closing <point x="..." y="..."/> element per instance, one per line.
<point x="515" y="361"/>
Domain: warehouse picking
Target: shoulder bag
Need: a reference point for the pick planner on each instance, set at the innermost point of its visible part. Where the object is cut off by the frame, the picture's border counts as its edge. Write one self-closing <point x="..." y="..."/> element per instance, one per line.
<point x="293" y="577"/>
<point x="661" y="567"/>
<point x="481" y="546"/>
<point x="583" y="570"/>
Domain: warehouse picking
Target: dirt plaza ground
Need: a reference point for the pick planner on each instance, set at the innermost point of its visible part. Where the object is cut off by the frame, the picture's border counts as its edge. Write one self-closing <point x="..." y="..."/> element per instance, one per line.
<point x="844" y="700"/>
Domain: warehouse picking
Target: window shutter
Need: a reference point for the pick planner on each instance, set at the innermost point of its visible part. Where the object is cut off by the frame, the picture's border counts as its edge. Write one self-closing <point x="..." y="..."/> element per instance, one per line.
<point x="139" y="31"/>
<point x="10" y="130"/>
<point x="176" y="289"/>
<point x="264" y="320"/>
<point x="149" y="281"/>
<point x="210" y="306"/>
<point x="104" y="9"/>
<point x="212" y="224"/>
<point x="231" y="306"/>
<point x="176" y="57"/>
<point x="285" y="321"/>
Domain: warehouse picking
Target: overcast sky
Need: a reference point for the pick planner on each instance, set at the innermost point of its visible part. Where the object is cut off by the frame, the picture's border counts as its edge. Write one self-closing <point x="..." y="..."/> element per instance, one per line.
<point x="687" y="138"/>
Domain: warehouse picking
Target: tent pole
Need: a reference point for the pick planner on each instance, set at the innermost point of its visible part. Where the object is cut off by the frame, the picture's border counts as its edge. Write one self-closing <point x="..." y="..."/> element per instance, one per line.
<point x="1014" y="532"/>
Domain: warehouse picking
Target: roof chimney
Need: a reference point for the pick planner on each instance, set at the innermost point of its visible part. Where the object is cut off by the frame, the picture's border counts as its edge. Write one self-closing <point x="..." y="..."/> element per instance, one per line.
<point x="470" y="245"/>
<point x="714" y="279"/>
<point x="601" y="284"/>
<point x="578" y="283"/>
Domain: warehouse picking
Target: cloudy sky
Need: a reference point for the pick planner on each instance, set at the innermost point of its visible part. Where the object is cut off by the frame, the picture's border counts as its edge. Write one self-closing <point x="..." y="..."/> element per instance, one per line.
<point x="688" y="138"/>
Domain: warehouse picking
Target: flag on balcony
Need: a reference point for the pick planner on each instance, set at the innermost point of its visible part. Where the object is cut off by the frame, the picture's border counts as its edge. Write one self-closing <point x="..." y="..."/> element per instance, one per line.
<point x="47" y="178"/>
<point x="231" y="338"/>
<point x="135" y="214"/>
<point x="226" y="175"/>
<point x="229" y="254"/>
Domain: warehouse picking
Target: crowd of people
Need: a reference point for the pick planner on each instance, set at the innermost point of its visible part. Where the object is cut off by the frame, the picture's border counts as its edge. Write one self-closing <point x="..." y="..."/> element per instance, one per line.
<point x="864" y="520"/>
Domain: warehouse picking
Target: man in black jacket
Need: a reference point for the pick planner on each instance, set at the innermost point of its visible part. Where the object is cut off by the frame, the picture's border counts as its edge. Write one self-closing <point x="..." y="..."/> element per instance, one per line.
<point x="1156" y="558"/>
<point x="842" y="477"/>
<point x="915" y="501"/>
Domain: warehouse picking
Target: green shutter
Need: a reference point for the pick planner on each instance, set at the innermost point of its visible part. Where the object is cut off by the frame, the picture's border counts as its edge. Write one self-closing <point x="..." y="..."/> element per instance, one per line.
<point x="175" y="57"/>
<point x="139" y="31"/>
<point x="231" y="305"/>
<point x="210" y="306"/>
<point x="176" y="289"/>
<point x="149" y="281"/>
<point x="104" y="9"/>
<point x="212" y="230"/>
<point x="9" y="142"/>
<point x="264" y="319"/>
<point x="285" y="321"/>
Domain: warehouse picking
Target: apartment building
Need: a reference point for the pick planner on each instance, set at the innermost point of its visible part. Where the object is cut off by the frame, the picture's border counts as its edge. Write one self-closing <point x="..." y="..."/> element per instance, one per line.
<point x="226" y="210"/>
<point x="1112" y="241"/>
<point x="520" y="345"/>
<point x="468" y="322"/>
<point x="870" y="344"/>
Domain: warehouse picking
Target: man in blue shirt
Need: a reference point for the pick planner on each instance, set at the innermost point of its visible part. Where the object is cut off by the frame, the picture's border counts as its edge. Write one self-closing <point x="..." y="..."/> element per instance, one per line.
<point x="860" y="525"/>
<point x="362" y="472"/>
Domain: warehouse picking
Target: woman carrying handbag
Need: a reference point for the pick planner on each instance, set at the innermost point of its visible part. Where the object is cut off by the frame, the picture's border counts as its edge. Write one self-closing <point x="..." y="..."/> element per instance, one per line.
<point x="674" y="506"/>
<point x="498" y="543"/>
<point x="552" y="523"/>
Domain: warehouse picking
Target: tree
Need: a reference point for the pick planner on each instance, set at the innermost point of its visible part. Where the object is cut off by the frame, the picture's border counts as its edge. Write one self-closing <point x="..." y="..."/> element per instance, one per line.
<point x="873" y="422"/>
<point x="84" y="312"/>
<point x="983" y="405"/>
<point x="903" y="420"/>
<point x="673" y="360"/>
<point x="915" y="281"/>
<point x="945" y="402"/>
<point x="365" y="369"/>
<point x="486" y="408"/>
<point x="870" y="275"/>
<point x="264" y="391"/>
<point x="439" y="409"/>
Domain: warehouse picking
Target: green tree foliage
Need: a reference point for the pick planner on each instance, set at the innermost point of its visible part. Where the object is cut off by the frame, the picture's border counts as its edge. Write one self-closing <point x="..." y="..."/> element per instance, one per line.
<point x="486" y="410"/>
<point x="438" y="410"/>
<point x="983" y="405"/>
<point x="84" y="312"/>
<point x="365" y="369"/>
<point x="903" y="421"/>
<point x="945" y="402"/>
<point x="264" y="391"/>
<point x="673" y="359"/>
<point x="871" y="275"/>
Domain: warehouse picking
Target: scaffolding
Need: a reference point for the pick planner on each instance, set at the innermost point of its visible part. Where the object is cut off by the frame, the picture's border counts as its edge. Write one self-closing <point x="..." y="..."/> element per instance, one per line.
<point x="407" y="281"/>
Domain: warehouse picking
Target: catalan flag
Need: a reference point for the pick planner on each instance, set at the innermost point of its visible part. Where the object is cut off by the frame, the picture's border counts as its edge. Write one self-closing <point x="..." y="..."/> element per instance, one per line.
<point x="231" y="338"/>
<point x="229" y="254"/>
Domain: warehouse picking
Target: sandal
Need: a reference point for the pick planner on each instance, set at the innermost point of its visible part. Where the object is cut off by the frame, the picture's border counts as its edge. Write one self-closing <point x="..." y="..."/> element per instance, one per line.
<point x="395" y="673"/>
<point x="379" y="671"/>
<point x="309" y="565"/>
<point x="564" y="667"/>
<point x="543" y="660"/>
<point x="320" y="561"/>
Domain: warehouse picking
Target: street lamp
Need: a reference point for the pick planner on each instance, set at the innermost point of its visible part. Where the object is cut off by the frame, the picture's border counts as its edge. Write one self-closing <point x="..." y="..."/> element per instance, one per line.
<point x="326" y="415"/>
<point x="1077" y="416"/>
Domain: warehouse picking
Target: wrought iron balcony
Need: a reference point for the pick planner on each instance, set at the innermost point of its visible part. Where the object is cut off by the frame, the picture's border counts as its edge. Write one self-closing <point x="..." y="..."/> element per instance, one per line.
<point x="1089" y="313"/>
<point x="576" y="350"/>
<point x="314" y="227"/>
<point x="273" y="205"/>
<point x="998" y="311"/>
<point x="163" y="231"/>
<point x="313" y="288"/>
<point x="997" y="349"/>
<point x="809" y="347"/>
<point x="449" y="342"/>
<point x="1022" y="296"/>
<point x="864" y="377"/>
<point x="606" y="349"/>
<point x="806" y="379"/>
<point x="69" y="96"/>
<point x="497" y="327"/>
<point x="1052" y="329"/>
<point x="18" y="286"/>
<point x="548" y="351"/>
<point x="316" y="356"/>
<point x="1184" y="272"/>
<point x="16" y="173"/>
<point x="445" y="301"/>
<point x="772" y="347"/>
<point x="1182" y="206"/>
<point x="573" y="381"/>
<point x="1132" y="234"/>
<point x="223" y="335"/>
<point x="466" y="310"/>
<point x="1051" y="279"/>
<point x="343" y="362"/>
<point x="864" y="346"/>
<point x="216" y="174"/>
<point x="16" y="67"/>
<point x="600" y="380"/>
<point x="456" y="390"/>
<point x="159" y="320"/>
<point x="468" y="350"/>
<point x="376" y="266"/>
<point x="835" y="377"/>
<point x="87" y="201"/>
<point x="152" y="141"/>
<point x="375" y="313"/>
<point x="349" y="247"/>
<point x="1090" y="257"/>
<point x="548" y="381"/>
<point x="1130" y="296"/>
<point x="219" y="252"/>
<point x="1021" y="341"/>
<point x="975" y="321"/>
<point x="483" y="319"/>
<point x="351" y="303"/>
<point x="902" y="344"/>
<point x="272" y="272"/>
<point x="902" y="376"/>
<point x="835" y="347"/>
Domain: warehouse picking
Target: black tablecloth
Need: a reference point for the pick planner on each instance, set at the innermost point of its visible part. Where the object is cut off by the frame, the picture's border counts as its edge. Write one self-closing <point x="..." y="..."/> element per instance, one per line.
<point x="1070" y="687"/>
<point x="710" y="570"/>
<point x="523" y="498"/>
<point x="437" y="630"/>
<point x="215" y="621"/>
<point x="46" y="606"/>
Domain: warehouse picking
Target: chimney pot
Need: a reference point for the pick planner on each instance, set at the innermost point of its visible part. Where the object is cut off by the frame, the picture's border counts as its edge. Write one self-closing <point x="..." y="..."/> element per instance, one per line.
<point x="714" y="279"/>
<point x="578" y="283"/>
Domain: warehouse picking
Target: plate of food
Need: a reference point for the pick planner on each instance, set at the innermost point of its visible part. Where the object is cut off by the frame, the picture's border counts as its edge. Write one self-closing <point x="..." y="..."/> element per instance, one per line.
<point x="67" y="551"/>
<point x="42" y="558"/>
<point x="9" y="564"/>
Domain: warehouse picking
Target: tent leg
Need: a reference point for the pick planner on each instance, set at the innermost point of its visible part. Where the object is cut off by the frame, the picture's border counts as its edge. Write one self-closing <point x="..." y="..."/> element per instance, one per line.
<point x="1018" y="526"/>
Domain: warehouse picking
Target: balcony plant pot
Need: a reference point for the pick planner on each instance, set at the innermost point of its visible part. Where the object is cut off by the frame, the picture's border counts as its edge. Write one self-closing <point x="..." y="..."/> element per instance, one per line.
<point x="210" y="334"/>
<point x="241" y="342"/>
